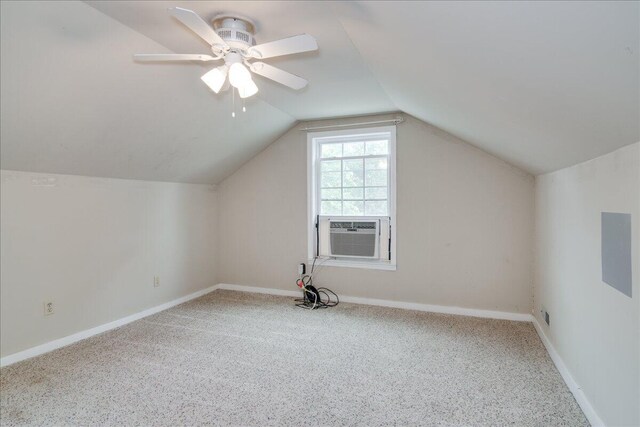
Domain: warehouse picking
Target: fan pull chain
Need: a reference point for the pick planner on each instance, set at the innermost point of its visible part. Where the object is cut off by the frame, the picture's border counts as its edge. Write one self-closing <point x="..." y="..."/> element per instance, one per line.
<point x="244" y="109"/>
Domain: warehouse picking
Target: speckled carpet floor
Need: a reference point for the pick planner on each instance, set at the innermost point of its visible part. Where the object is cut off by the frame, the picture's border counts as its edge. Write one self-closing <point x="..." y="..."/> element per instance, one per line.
<point x="232" y="358"/>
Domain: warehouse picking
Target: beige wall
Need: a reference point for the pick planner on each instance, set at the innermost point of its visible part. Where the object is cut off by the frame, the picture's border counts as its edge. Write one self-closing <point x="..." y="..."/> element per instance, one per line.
<point x="93" y="246"/>
<point x="594" y="328"/>
<point x="464" y="219"/>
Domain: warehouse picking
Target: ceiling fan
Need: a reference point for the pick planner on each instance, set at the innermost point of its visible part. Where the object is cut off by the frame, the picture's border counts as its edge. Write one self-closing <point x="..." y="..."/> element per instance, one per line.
<point x="231" y="39"/>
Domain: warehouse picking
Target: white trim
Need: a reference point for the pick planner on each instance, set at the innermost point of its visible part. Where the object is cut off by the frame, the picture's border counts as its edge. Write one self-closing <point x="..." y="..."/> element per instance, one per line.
<point x="70" y="339"/>
<point x="461" y="311"/>
<point x="395" y="121"/>
<point x="576" y="390"/>
<point x="370" y="265"/>
<point x="259" y="290"/>
<point x="312" y="194"/>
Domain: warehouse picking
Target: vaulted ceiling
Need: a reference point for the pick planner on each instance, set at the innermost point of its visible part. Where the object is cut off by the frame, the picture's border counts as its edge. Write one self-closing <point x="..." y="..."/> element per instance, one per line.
<point x="542" y="85"/>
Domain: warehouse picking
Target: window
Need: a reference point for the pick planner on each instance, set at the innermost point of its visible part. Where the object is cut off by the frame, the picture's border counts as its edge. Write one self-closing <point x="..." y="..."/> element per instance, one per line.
<point x="352" y="175"/>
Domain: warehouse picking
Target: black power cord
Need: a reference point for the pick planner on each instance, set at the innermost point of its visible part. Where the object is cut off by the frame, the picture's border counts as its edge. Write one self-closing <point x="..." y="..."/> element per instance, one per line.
<point x="313" y="297"/>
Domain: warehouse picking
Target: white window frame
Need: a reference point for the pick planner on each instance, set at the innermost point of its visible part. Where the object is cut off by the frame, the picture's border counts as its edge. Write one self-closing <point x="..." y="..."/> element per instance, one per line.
<point x="313" y="196"/>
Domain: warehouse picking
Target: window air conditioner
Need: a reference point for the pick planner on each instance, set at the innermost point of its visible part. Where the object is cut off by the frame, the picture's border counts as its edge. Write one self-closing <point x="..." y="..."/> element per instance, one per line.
<point x="365" y="238"/>
<point x="353" y="239"/>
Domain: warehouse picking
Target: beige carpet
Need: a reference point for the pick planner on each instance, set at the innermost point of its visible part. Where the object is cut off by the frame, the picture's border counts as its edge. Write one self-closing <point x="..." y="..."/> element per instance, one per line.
<point x="232" y="358"/>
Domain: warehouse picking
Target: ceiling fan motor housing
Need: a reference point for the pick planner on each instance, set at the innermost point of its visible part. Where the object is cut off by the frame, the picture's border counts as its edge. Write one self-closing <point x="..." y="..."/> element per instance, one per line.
<point x="236" y="32"/>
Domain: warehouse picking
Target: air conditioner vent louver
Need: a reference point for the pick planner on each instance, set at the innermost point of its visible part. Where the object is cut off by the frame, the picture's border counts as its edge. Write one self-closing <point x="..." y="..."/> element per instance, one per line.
<point x="368" y="225"/>
<point x="341" y="224"/>
<point x="356" y="239"/>
<point x="364" y="225"/>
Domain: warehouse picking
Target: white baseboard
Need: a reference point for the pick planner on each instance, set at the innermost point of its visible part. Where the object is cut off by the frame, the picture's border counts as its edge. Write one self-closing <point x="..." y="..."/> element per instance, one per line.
<point x="259" y="290"/>
<point x="581" y="398"/>
<point x="489" y="314"/>
<point x="70" y="339"/>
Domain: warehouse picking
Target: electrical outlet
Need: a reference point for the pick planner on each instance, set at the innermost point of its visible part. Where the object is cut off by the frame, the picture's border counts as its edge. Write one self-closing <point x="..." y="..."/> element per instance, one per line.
<point x="156" y="281"/>
<point x="48" y="308"/>
<point x="545" y="315"/>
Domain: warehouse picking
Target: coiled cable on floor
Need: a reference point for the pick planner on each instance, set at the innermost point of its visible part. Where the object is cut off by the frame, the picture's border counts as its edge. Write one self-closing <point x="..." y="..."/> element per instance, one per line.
<point x="313" y="297"/>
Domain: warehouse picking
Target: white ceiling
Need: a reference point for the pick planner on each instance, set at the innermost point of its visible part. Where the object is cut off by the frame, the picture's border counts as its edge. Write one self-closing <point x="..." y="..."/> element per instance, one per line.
<point x="542" y="85"/>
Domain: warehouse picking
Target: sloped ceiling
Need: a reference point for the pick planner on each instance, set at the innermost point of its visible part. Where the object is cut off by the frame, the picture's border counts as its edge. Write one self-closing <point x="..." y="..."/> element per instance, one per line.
<point x="542" y="85"/>
<point x="74" y="102"/>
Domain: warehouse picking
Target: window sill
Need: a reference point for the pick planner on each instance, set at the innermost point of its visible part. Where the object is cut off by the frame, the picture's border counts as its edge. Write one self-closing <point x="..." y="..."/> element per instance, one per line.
<point x="354" y="264"/>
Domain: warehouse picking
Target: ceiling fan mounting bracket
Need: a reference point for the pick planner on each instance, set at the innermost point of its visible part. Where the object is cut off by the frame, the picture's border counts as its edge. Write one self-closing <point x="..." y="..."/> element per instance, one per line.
<point x="235" y="30"/>
<point x="227" y="20"/>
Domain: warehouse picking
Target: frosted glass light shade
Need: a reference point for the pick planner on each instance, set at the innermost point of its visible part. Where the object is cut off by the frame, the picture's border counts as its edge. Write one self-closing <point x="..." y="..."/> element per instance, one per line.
<point x="248" y="89"/>
<point x="239" y="75"/>
<point x="215" y="78"/>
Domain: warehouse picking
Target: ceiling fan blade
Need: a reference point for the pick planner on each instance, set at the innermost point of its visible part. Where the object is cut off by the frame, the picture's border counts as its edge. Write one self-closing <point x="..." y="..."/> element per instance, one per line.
<point x="288" y="46"/>
<point x="278" y="75"/>
<point x="155" y="57"/>
<point x="198" y="26"/>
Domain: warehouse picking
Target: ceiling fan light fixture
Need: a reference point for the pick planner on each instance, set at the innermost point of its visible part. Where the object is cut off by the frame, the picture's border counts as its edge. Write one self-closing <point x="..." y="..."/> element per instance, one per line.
<point x="249" y="89"/>
<point x="215" y="78"/>
<point x="239" y="76"/>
